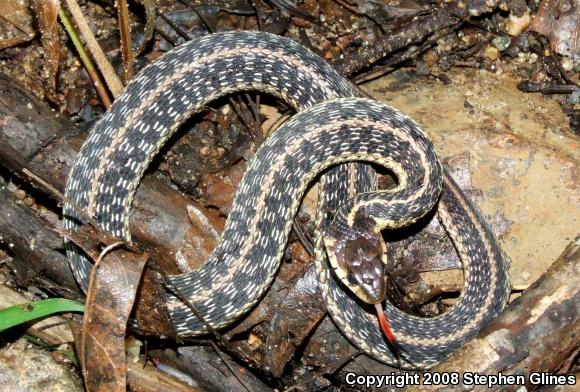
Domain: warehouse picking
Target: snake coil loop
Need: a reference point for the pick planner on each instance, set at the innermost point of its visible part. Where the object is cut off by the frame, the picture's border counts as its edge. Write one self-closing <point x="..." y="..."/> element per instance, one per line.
<point x="333" y="126"/>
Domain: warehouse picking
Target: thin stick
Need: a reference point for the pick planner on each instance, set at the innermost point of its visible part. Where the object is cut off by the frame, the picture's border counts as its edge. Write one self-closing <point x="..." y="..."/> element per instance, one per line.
<point x="113" y="82"/>
<point x="149" y="25"/>
<point x="125" y="32"/>
<point x="254" y="107"/>
<point x="256" y="4"/>
<point x="166" y="37"/>
<point x="223" y="359"/>
<point x="210" y="28"/>
<point x="85" y="58"/>
<point x="240" y="113"/>
<point x="61" y="197"/>
<point x="303" y="237"/>
<point x="175" y="27"/>
<point x="329" y="370"/>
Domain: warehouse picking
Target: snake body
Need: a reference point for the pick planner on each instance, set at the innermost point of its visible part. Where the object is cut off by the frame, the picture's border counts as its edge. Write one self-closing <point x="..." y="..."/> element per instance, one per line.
<point x="334" y="126"/>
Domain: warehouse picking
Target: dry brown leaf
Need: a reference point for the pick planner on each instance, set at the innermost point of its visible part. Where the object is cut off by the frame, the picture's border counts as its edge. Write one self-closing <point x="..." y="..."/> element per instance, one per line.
<point x="10" y="42"/>
<point x="109" y="303"/>
<point x="17" y="14"/>
<point x="559" y="20"/>
<point x="218" y="193"/>
<point x="110" y="297"/>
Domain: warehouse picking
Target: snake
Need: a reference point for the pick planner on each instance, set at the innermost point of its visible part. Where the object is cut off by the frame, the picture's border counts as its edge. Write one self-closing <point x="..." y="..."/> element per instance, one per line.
<point x="336" y="139"/>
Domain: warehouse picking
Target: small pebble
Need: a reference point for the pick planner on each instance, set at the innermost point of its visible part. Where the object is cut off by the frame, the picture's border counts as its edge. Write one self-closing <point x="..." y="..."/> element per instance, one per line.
<point x="517" y="24"/>
<point x="19" y="194"/>
<point x="564" y="35"/>
<point x="526" y="275"/>
<point x="491" y="53"/>
<point x="501" y="42"/>
<point x="574" y="98"/>
<point x="567" y="65"/>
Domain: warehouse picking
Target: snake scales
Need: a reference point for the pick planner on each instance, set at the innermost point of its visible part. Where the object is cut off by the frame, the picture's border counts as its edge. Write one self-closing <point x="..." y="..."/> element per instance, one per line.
<point x="330" y="128"/>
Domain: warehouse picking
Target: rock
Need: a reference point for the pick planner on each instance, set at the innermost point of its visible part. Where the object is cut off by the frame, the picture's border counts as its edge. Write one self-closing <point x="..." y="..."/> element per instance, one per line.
<point x="27" y="368"/>
<point x="517" y="24"/>
<point x="491" y="53"/>
<point x="567" y="65"/>
<point x="501" y="42"/>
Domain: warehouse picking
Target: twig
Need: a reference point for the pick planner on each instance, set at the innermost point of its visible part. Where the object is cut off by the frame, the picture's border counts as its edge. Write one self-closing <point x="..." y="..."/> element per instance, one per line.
<point x="223" y="359"/>
<point x="175" y="27"/>
<point x="237" y="106"/>
<point x="349" y="7"/>
<point x="61" y="197"/>
<point x="544" y="88"/>
<point x="113" y="82"/>
<point x="149" y="25"/>
<point x="210" y="28"/>
<point x="291" y="7"/>
<point x="10" y="42"/>
<point x="258" y="124"/>
<point x="357" y="12"/>
<point x="125" y="32"/>
<point x="411" y="53"/>
<point x="256" y="4"/>
<point x="166" y="37"/>
<point x="85" y="58"/>
<point x="413" y="33"/>
<point x="255" y="109"/>
<point x="303" y="237"/>
<point x="329" y="370"/>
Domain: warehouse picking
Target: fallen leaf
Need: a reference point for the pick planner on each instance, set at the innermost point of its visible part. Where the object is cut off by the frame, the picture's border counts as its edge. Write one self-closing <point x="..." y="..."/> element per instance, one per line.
<point x="559" y="20"/>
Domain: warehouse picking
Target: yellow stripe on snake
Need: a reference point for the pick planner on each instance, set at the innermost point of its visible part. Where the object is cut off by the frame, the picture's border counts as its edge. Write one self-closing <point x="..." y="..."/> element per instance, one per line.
<point x="334" y="126"/>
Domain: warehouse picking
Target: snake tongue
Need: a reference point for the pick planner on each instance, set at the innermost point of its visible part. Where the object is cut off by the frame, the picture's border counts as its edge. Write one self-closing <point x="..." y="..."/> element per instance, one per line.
<point x="388" y="332"/>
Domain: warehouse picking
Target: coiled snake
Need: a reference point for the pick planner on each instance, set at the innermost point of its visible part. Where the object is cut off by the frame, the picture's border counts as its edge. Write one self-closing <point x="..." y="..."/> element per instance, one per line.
<point x="333" y="126"/>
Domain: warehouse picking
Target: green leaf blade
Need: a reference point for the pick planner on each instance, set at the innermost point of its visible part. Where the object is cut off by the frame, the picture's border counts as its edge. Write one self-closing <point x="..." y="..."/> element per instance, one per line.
<point x="20" y="314"/>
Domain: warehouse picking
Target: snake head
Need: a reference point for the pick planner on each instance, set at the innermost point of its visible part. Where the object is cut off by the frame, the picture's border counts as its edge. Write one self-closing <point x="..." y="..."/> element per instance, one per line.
<point x="365" y="269"/>
<point x="358" y="261"/>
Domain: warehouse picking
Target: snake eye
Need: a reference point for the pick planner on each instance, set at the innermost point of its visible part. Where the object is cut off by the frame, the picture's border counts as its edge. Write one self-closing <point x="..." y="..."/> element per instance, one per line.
<point x="351" y="279"/>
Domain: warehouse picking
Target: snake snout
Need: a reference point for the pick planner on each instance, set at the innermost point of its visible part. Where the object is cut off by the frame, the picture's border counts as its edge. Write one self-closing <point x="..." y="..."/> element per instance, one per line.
<point x="366" y="269"/>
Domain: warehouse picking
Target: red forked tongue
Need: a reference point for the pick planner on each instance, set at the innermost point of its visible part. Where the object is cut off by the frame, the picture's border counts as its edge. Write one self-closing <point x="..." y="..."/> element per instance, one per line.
<point x="384" y="323"/>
